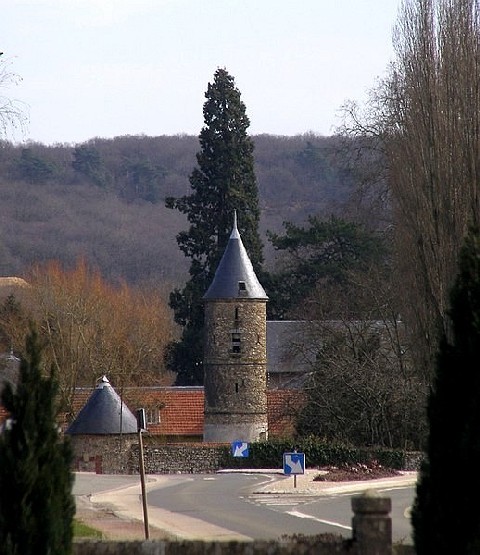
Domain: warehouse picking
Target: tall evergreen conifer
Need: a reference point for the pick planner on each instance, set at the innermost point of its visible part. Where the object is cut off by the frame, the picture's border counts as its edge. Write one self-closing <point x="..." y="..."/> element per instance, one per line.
<point x="446" y="514"/>
<point x="36" y="503"/>
<point x="224" y="181"/>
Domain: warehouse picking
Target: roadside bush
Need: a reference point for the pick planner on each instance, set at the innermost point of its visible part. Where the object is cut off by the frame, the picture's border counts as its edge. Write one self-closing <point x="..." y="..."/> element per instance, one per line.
<point x="318" y="453"/>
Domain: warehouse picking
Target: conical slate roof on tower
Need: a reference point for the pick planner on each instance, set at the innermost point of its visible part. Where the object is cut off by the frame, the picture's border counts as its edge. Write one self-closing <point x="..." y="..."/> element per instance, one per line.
<point x="104" y="413"/>
<point x="235" y="276"/>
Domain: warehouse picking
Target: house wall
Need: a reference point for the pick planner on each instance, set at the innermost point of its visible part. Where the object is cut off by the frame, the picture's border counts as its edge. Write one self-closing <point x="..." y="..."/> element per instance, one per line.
<point x="103" y="454"/>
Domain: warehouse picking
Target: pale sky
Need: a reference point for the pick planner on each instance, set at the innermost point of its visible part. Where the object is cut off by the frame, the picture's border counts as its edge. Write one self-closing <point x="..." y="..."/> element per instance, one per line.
<point x="105" y="68"/>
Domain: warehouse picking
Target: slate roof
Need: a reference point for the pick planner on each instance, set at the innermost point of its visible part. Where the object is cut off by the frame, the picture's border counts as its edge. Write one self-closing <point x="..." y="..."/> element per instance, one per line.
<point x="104" y="413"/>
<point x="235" y="277"/>
<point x="291" y="347"/>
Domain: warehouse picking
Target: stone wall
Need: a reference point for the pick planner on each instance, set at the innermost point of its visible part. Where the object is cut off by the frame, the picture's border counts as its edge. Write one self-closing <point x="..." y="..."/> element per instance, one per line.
<point x="235" y="362"/>
<point x="175" y="458"/>
<point x="119" y="455"/>
<point x="248" y="317"/>
<point x="103" y="454"/>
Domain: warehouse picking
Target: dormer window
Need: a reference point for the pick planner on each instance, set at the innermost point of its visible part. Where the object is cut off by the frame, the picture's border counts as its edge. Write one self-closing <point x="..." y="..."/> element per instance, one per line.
<point x="242" y="287"/>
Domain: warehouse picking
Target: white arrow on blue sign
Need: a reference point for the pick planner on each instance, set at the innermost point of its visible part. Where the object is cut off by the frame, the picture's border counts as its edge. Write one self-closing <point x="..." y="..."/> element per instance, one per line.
<point x="240" y="449"/>
<point x="294" y="463"/>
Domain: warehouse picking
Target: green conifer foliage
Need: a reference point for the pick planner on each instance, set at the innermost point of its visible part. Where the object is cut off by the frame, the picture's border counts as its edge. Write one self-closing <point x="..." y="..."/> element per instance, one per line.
<point x="224" y="181"/>
<point x="446" y="514"/>
<point x="36" y="502"/>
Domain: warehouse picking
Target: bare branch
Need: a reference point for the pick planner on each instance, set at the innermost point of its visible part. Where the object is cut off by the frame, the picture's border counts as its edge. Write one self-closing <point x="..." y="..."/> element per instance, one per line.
<point x="13" y="113"/>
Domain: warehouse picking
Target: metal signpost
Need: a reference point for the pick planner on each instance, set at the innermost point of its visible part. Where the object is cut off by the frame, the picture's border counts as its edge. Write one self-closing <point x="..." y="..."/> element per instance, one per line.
<point x="293" y="464"/>
<point x="141" y="427"/>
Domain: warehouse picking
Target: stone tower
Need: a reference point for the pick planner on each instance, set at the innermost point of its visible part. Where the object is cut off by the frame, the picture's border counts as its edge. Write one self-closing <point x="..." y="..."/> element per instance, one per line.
<point x="235" y="355"/>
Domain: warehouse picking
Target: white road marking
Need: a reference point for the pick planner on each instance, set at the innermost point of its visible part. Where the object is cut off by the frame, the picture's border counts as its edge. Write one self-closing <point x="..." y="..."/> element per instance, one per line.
<point x="393" y="488"/>
<point x="329" y="522"/>
<point x="275" y="502"/>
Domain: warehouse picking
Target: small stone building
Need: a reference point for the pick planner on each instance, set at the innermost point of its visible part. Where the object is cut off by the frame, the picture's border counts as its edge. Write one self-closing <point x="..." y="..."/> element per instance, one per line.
<point x="235" y="356"/>
<point x="103" y="432"/>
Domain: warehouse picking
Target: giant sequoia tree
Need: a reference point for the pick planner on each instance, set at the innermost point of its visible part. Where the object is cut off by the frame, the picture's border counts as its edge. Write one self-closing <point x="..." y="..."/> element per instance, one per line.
<point x="36" y="502"/>
<point x="446" y="515"/>
<point x="224" y="181"/>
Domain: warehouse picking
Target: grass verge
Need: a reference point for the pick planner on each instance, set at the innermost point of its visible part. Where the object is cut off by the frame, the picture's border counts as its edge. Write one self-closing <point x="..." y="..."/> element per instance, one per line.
<point x="81" y="530"/>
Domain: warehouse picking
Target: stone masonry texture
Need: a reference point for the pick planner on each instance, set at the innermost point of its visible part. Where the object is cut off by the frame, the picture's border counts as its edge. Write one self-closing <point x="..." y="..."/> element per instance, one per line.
<point x="235" y="376"/>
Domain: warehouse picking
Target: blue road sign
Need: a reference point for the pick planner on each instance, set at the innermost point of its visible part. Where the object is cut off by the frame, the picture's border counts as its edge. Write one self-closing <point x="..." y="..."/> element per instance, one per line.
<point x="240" y="449"/>
<point x="293" y="463"/>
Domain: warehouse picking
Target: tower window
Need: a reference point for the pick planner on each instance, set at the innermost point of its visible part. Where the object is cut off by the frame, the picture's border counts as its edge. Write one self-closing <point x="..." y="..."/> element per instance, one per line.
<point x="235" y="342"/>
<point x="236" y="387"/>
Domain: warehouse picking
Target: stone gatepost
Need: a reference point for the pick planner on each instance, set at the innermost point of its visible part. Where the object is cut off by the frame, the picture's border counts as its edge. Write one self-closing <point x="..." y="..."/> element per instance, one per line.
<point x="372" y="524"/>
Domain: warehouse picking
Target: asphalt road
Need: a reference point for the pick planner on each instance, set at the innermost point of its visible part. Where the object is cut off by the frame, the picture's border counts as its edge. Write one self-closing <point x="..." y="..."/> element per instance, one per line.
<point x="226" y="500"/>
<point x="337" y="509"/>
<point x="87" y="483"/>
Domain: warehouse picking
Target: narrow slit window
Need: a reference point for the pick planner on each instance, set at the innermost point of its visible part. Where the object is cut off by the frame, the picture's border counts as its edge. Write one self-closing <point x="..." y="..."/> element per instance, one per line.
<point x="235" y="342"/>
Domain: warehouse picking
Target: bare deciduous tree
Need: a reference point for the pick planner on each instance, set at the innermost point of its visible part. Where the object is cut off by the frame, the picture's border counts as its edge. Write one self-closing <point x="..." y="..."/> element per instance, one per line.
<point x="362" y="387"/>
<point x="433" y="148"/>
<point x="426" y="115"/>
<point x="91" y="328"/>
<point x="12" y="112"/>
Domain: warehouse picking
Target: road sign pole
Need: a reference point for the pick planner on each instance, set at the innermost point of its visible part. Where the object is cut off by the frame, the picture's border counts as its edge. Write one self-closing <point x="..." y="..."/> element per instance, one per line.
<point x="294" y="463"/>
<point x="142" y="480"/>
<point x="295" y="475"/>
<point x="141" y="426"/>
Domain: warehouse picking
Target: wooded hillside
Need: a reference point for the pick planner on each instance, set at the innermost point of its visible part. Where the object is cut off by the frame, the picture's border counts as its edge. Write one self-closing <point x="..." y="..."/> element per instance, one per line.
<point x="104" y="199"/>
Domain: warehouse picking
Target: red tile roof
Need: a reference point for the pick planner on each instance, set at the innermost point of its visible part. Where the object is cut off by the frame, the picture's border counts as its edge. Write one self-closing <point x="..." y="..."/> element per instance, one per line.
<point x="181" y="408"/>
<point x="182" y="412"/>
